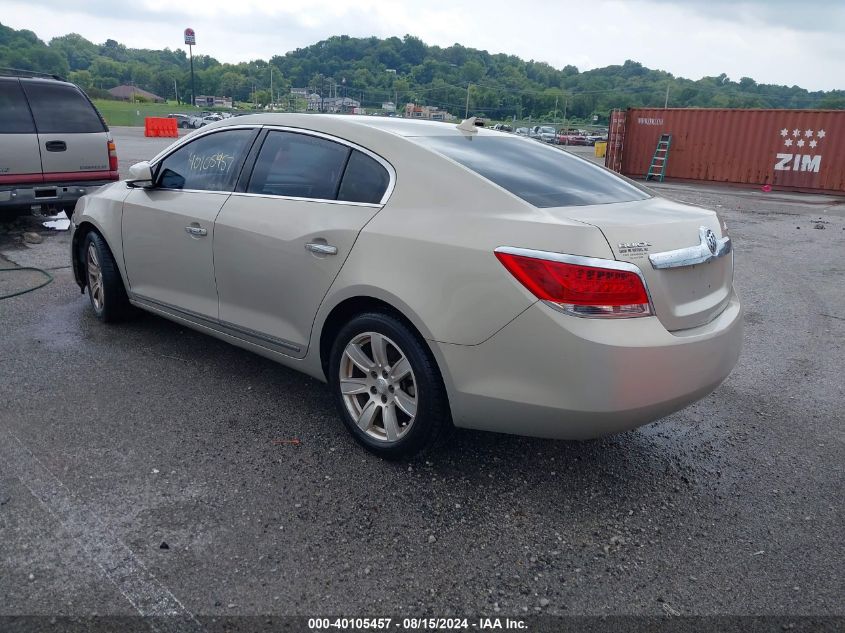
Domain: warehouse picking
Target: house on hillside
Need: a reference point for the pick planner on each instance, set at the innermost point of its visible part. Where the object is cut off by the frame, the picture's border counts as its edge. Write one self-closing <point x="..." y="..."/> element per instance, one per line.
<point x="430" y="113"/>
<point x="208" y="101"/>
<point x="345" y="105"/>
<point x="134" y="93"/>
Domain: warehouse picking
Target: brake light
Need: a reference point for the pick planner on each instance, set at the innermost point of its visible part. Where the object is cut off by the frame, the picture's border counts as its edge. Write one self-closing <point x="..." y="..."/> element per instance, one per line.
<point x="112" y="154"/>
<point x="604" y="288"/>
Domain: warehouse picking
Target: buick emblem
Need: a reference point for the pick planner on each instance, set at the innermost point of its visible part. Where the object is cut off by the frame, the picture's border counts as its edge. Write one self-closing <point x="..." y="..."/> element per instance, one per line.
<point x="710" y="239"/>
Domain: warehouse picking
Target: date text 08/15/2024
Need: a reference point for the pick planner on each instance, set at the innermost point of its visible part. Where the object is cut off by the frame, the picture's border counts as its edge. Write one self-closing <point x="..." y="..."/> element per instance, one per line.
<point x="414" y="624"/>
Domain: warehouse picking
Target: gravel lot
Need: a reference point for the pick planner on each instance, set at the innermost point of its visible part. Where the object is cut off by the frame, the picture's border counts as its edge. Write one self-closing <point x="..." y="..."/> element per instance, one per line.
<point x="115" y="440"/>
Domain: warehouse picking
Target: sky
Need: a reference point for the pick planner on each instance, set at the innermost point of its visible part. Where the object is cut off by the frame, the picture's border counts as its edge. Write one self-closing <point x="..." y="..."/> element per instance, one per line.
<point x="791" y="42"/>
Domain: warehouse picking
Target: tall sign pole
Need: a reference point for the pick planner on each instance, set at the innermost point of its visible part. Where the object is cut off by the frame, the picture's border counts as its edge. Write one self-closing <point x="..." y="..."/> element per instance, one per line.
<point x="190" y="40"/>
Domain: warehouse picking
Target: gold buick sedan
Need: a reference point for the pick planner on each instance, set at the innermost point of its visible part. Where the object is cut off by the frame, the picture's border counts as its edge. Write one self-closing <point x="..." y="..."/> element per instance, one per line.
<point x="433" y="274"/>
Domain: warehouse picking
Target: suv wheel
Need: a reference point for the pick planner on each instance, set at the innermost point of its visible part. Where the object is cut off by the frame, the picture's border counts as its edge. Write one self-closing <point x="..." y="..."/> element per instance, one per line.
<point x="105" y="286"/>
<point x="387" y="387"/>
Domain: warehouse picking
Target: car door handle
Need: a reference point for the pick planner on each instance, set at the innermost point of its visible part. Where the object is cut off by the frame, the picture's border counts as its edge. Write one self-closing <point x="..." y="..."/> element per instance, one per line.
<point x="321" y="249"/>
<point x="56" y="146"/>
<point x="196" y="231"/>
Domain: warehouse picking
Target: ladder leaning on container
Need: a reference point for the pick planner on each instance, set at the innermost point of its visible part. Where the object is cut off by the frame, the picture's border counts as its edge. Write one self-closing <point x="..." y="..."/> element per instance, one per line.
<point x="657" y="168"/>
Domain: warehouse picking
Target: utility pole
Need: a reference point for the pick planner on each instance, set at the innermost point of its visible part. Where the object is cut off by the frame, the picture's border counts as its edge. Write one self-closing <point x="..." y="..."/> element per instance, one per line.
<point x="466" y="110"/>
<point x="666" y="102"/>
<point x="271" y="87"/>
<point x="555" y="115"/>
<point x="565" y="103"/>
<point x="176" y="90"/>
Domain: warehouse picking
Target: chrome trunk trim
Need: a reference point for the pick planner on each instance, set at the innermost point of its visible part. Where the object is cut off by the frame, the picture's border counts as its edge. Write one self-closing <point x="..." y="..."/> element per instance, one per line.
<point x="708" y="249"/>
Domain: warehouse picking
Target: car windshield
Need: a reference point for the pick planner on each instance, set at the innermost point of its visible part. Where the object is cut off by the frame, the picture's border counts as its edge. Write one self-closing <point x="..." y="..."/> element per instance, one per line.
<point x="547" y="129"/>
<point x="540" y="175"/>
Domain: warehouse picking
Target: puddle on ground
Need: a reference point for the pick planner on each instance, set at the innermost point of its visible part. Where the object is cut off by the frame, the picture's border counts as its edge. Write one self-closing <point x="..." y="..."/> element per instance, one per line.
<point x="58" y="223"/>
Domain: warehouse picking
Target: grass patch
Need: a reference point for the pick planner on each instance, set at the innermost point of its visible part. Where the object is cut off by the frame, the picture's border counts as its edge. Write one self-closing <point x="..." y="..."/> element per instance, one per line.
<point x="126" y="113"/>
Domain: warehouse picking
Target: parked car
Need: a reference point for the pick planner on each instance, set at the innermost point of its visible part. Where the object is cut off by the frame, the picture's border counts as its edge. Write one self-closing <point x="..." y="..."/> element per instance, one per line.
<point x="54" y="145"/>
<point x="183" y="120"/>
<point x="211" y="118"/>
<point x="563" y="301"/>
<point x="521" y="131"/>
<point x="545" y="133"/>
<point x="503" y="127"/>
<point x="570" y="137"/>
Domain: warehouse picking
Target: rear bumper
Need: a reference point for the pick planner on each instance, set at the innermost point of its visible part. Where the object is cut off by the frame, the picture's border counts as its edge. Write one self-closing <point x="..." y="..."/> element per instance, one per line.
<point x="62" y="194"/>
<point x="547" y="374"/>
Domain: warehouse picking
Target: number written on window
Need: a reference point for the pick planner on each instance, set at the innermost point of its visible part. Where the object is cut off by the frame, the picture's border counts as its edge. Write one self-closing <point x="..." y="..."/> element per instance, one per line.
<point x="210" y="163"/>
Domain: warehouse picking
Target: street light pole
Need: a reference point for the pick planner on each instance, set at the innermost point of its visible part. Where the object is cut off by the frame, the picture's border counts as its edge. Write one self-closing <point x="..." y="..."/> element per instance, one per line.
<point x="193" y="85"/>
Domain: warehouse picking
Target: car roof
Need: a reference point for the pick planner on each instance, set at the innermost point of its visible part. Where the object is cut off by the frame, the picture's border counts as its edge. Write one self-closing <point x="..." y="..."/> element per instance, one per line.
<point x="392" y="125"/>
<point x="39" y="80"/>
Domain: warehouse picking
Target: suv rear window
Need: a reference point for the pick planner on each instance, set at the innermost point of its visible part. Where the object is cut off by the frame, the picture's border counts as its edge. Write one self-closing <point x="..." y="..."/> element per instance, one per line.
<point x="61" y="109"/>
<point x="540" y="175"/>
<point x="14" y="113"/>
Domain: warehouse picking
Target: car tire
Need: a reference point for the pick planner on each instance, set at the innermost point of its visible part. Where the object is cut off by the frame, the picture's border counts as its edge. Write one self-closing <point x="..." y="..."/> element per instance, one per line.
<point x="106" y="291"/>
<point x="387" y="387"/>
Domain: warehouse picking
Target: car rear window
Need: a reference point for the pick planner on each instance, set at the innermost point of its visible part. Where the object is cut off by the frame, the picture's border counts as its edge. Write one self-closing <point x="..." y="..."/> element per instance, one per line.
<point x="14" y="113"/>
<point x="540" y="175"/>
<point x="61" y="109"/>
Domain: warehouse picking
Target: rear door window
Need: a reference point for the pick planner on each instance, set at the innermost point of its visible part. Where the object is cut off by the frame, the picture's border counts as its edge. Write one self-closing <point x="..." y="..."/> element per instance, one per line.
<point x="364" y="180"/>
<point x="298" y="166"/>
<point x="210" y="163"/>
<point x="61" y="109"/>
<point x="14" y="112"/>
<point x="540" y="175"/>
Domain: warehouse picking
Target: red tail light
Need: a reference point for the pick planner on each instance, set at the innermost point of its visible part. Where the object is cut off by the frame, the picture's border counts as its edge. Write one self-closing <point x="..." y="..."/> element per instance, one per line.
<point x="112" y="154"/>
<point x="597" y="288"/>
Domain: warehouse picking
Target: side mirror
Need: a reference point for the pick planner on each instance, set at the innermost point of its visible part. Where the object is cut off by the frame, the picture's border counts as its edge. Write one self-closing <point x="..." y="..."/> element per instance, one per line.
<point x="140" y="175"/>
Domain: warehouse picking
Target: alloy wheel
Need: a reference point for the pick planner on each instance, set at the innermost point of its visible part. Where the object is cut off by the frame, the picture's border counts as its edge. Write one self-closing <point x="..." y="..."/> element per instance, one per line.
<point x="95" y="278"/>
<point x="378" y="386"/>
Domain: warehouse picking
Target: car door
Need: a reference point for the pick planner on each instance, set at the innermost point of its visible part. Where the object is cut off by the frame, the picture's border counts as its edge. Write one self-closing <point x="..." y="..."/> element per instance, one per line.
<point x="20" y="160"/>
<point x="280" y="243"/>
<point x="168" y="229"/>
<point x="72" y="138"/>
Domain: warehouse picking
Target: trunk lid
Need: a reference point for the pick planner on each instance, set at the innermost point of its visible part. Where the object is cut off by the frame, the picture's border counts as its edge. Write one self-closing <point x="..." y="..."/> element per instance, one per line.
<point x="686" y="295"/>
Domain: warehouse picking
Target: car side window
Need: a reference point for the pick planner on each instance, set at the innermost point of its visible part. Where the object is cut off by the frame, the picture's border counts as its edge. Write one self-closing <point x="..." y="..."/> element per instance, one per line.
<point x="210" y="163"/>
<point x="16" y="118"/>
<point x="61" y="109"/>
<point x="299" y="166"/>
<point x="364" y="180"/>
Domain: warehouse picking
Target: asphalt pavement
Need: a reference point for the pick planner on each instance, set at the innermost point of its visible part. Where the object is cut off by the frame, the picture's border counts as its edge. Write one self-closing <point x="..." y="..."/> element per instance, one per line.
<point x="148" y="468"/>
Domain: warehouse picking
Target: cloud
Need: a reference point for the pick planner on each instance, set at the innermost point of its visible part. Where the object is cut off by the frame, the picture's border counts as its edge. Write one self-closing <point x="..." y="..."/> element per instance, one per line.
<point x="826" y="16"/>
<point x="773" y="41"/>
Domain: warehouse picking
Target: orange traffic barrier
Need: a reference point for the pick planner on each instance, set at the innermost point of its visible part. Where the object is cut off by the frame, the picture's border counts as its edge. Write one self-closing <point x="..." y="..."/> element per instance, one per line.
<point x="160" y="126"/>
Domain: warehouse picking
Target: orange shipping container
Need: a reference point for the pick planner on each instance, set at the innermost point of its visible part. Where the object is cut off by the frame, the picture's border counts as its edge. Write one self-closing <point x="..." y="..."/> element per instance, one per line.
<point x="802" y="150"/>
